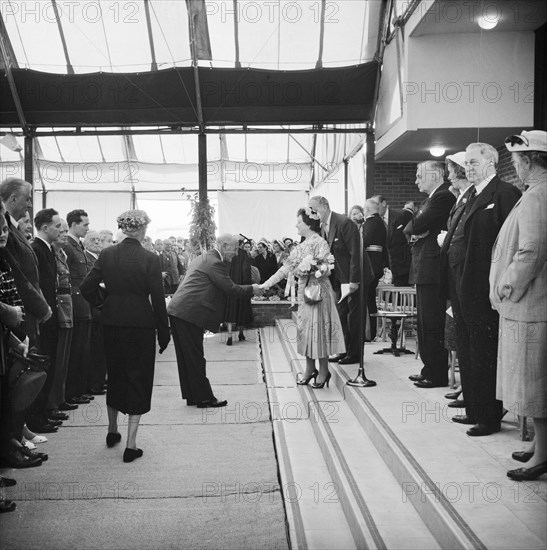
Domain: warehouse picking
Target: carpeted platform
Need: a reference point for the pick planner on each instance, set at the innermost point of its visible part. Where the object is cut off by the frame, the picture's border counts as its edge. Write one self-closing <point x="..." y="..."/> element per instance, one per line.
<point x="208" y="477"/>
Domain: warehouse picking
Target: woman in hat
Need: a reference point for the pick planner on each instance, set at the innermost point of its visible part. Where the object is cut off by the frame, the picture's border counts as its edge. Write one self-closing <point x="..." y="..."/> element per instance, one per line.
<point x="238" y="311"/>
<point x="126" y="282"/>
<point x="518" y="291"/>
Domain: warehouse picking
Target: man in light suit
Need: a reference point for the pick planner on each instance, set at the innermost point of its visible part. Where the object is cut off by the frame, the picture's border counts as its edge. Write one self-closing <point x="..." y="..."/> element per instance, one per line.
<point x="425" y="273"/>
<point x="198" y="305"/>
<point x="344" y="242"/>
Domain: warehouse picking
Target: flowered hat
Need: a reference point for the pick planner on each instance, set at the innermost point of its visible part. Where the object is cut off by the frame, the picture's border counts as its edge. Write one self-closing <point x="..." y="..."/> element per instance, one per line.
<point x="132" y="221"/>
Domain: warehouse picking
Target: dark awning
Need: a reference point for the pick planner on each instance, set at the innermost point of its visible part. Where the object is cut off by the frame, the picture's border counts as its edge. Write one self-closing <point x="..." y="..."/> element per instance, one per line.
<point x="168" y="97"/>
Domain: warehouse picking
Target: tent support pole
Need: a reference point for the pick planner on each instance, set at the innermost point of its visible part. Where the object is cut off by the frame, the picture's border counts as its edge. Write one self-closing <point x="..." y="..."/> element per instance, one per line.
<point x="369" y="169"/>
<point x="29" y="165"/>
<point x="202" y="166"/>
<point x="346" y="184"/>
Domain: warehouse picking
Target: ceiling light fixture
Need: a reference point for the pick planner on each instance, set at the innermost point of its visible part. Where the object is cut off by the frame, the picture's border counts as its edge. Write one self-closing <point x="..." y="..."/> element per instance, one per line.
<point x="437" y="151"/>
<point x="487" y="22"/>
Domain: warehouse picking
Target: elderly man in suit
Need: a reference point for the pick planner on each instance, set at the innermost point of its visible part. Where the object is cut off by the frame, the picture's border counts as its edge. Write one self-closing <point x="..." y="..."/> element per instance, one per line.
<point x="425" y="273"/>
<point x="344" y="242"/>
<point x="198" y="305"/>
<point x="470" y="256"/>
<point x="48" y="225"/>
<point x="171" y="266"/>
<point x="17" y="197"/>
<point x="78" y="264"/>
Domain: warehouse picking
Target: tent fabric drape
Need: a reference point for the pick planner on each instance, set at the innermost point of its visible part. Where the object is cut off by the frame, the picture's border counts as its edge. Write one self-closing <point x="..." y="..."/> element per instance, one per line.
<point x="260" y="214"/>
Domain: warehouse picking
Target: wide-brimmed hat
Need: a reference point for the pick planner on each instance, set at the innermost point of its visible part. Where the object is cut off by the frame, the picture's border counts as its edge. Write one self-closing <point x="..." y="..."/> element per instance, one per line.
<point x="457" y="158"/>
<point x="533" y="140"/>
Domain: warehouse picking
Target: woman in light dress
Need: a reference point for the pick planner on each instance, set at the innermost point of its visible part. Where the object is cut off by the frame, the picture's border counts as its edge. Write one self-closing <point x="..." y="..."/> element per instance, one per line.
<point x="319" y="332"/>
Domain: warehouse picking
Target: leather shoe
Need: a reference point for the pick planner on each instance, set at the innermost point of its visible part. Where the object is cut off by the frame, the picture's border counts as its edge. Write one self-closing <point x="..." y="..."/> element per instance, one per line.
<point x="528" y="474"/>
<point x="457" y="404"/>
<point x="522" y="456"/>
<point x="348" y="360"/>
<point x="46" y="428"/>
<point x="416" y="377"/>
<point x="113" y="438"/>
<point x="7" y="506"/>
<point x="336" y="358"/>
<point x="484" y="429"/>
<point x="131" y="454"/>
<point x="54" y="422"/>
<point x="97" y="392"/>
<point x="34" y="454"/>
<point x="462" y="419"/>
<point x="87" y="396"/>
<point x="78" y="401"/>
<point x="67" y="406"/>
<point x="425" y="383"/>
<point x="7" y="482"/>
<point x="190" y="403"/>
<point x="57" y="415"/>
<point x="453" y="395"/>
<point x="211" y="403"/>
<point x="17" y="459"/>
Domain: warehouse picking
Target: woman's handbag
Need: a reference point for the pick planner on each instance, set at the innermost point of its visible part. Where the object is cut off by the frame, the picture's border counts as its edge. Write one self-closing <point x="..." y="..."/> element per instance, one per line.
<point x="26" y="376"/>
<point x="64" y="311"/>
<point x="312" y="293"/>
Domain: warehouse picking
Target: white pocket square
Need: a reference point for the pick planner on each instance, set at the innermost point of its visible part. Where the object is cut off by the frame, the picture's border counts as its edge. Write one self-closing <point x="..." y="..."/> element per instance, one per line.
<point x="336" y="239"/>
<point x="489" y="206"/>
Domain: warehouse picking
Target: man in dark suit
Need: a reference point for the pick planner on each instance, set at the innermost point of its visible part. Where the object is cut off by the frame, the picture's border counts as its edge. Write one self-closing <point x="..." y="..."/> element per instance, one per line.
<point x="397" y="245"/>
<point x="470" y="248"/>
<point x="425" y="273"/>
<point x="342" y="236"/>
<point x="48" y="225"/>
<point x="170" y="264"/>
<point x="78" y="365"/>
<point x="374" y="243"/>
<point x="17" y="197"/>
<point x="198" y="305"/>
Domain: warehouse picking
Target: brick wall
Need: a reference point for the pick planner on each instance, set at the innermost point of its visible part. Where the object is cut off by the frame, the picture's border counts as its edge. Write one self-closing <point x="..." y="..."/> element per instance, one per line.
<point x="395" y="180"/>
<point x="265" y="313"/>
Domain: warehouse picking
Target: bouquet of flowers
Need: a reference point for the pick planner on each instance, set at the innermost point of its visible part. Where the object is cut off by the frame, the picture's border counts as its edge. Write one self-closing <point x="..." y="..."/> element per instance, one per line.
<point x="308" y="265"/>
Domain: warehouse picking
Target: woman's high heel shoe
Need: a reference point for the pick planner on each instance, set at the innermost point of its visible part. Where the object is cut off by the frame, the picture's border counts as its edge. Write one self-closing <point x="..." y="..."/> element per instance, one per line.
<point x="306" y="381"/>
<point x="131" y="454"/>
<point x="317" y="386"/>
<point x="229" y="341"/>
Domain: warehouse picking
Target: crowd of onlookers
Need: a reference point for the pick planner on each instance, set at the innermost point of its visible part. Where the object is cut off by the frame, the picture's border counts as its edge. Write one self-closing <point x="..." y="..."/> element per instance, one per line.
<point x="474" y="245"/>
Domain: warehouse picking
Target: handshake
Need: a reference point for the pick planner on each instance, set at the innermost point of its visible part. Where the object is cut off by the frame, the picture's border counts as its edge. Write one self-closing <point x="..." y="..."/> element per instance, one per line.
<point x="258" y="290"/>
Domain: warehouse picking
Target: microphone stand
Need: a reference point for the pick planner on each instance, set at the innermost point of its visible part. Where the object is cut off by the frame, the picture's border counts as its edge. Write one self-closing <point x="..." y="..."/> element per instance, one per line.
<point x="361" y="381"/>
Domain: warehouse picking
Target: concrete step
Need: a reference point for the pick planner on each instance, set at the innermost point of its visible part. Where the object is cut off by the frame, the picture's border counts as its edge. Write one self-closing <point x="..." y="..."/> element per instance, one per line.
<point x="316" y="519"/>
<point x="377" y="514"/>
<point x="456" y="484"/>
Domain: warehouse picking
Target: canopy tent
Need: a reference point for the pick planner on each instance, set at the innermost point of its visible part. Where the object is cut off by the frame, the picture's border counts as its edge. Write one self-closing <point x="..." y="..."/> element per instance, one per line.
<point x="129" y="84"/>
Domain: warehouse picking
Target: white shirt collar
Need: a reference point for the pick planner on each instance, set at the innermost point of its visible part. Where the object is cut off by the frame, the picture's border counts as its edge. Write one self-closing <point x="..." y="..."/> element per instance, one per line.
<point x="43" y="240"/>
<point x="219" y="253"/>
<point x="484" y="183"/>
<point x="75" y="239"/>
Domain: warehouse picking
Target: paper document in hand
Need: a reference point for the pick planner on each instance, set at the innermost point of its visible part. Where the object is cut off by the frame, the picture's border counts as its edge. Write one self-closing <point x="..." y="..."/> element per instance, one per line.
<point x="345" y="291"/>
<point x="449" y="312"/>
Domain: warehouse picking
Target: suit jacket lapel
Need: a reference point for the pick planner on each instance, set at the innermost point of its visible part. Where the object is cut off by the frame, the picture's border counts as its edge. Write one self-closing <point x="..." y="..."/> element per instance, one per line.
<point x="483" y="197"/>
<point x="332" y="230"/>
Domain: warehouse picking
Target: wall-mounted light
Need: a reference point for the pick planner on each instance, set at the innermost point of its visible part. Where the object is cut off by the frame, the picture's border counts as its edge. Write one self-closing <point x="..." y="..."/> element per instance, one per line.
<point x="488" y="21"/>
<point x="437" y="151"/>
